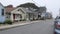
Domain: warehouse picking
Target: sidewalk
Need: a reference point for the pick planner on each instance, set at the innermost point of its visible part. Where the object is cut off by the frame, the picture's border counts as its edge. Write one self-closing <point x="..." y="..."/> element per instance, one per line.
<point x="16" y="24"/>
<point x="3" y="27"/>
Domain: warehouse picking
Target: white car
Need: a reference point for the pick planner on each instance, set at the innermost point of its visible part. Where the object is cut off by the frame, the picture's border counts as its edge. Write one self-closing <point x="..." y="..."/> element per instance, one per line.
<point x="57" y="25"/>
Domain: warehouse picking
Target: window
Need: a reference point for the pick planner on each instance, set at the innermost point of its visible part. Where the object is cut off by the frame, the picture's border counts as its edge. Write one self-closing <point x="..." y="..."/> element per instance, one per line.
<point x="20" y="16"/>
<point x="20" y="10"/>
<point x="58" y="18"/>
<point x="3" y="12"/>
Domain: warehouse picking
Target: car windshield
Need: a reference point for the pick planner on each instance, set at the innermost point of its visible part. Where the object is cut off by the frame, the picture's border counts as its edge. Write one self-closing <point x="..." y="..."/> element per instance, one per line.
<point x="57" y="17"/>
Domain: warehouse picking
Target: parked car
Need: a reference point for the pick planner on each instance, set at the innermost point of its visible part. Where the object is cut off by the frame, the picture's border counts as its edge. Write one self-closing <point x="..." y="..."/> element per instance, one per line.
<point x="57" y="25"/>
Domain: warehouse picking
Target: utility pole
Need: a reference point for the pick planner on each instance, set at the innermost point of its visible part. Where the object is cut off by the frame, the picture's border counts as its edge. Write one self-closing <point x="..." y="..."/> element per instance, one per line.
<point x="59" y="11"/>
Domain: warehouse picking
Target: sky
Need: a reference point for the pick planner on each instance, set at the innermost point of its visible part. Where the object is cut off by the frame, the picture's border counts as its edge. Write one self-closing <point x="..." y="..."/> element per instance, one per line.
<point x="52" y="5"/>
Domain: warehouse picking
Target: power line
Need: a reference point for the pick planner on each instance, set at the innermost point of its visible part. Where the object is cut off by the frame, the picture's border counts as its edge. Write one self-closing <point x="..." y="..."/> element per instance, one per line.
<point x="35" y="2"/>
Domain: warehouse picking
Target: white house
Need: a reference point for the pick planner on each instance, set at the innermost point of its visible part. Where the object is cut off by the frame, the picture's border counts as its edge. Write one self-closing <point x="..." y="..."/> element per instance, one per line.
<point x="21" y="13"/>
<point x="2" y="13"/>
<point x="17" y="14"/>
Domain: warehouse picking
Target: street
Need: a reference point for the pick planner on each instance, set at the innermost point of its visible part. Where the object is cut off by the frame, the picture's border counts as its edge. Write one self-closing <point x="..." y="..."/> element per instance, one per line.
<point x="40" y="27"/>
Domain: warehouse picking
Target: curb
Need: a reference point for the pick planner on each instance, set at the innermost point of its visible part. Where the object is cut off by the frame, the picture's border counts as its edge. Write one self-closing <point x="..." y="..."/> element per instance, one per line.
<point x="16" y="25"/>
<point x="13" y="26"/>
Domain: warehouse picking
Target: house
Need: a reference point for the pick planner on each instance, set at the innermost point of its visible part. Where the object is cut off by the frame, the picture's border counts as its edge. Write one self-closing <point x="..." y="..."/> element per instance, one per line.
<point x="48" y="15"/>
<point x="31" y="7"/>
<point x="2" y="13"/>
<point x="41" y="10"/>
<point x="21" y="13"/>
<point x="8" y="10"/>
<point x="18" y="13"/>
<point x="33" y="15"/>
<point x="43" y="16"/>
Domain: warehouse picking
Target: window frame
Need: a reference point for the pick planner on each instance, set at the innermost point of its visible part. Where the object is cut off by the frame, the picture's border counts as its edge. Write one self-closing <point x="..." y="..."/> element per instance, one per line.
<point x="2" y="13"/>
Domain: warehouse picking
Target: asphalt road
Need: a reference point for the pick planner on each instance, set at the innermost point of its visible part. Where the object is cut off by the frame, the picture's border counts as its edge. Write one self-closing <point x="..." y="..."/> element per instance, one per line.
<point x="40" y="27"/>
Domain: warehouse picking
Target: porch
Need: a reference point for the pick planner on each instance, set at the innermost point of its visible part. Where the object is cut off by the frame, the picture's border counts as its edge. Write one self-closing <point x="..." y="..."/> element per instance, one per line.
<point x="16" y="17"/>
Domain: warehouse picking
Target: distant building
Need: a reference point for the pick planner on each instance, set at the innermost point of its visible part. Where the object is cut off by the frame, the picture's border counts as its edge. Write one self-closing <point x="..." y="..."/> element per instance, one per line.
<point x="2" y="13"/>
<point x="48" y="15"/>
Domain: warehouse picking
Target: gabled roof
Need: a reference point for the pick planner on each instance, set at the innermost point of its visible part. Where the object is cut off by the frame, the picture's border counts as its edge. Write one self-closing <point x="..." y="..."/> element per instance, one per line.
<point x="28" y="10"/>
<point x="9" y="9"/>
<point x="1" y="4"/>
<point x="25" y="10"/>
<point x="28" y="4"/>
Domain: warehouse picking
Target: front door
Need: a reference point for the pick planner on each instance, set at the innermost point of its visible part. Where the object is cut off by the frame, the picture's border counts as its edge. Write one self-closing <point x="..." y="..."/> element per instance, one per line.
<point x="13" y="16"/>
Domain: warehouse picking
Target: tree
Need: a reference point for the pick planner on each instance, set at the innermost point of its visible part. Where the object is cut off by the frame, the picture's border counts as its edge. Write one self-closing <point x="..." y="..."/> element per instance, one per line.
<point x="41" y="9"/>
<point x="32" y="5"/>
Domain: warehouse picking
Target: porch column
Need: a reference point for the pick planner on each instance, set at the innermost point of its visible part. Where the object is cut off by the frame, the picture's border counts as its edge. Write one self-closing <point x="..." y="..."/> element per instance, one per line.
<point x="27" y="17"/>
<point x="11" y="17"/>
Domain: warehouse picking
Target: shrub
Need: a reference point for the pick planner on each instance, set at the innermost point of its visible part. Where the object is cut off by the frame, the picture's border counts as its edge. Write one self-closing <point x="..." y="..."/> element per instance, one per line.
<point x="24" y="19"/>
<point x="8" y="22"/>
<point x="0" y="22"/>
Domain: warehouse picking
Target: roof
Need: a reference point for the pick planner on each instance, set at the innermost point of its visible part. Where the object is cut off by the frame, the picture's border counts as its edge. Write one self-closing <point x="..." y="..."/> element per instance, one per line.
<point x="1" y="4"/>
<point x="41" y="9"/>
<point x="9" y="8"/>
<point x="27" y="10"/>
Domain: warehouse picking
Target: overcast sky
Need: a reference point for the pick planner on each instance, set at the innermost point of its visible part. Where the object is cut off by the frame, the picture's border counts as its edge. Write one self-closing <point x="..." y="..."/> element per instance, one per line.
<point x="52" y="5"/>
